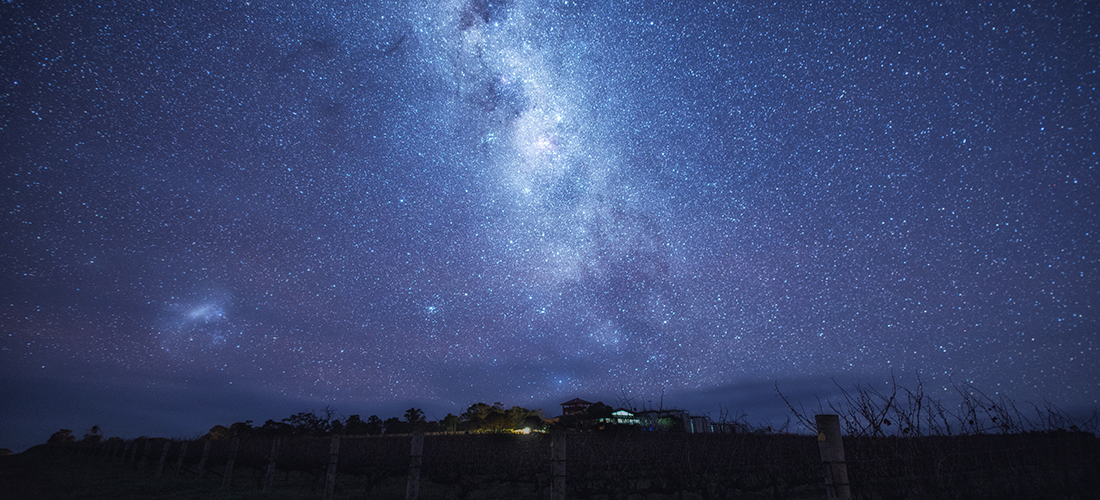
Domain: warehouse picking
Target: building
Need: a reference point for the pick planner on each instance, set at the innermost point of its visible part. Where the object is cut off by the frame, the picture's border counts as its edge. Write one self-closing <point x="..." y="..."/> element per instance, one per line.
<point x="622" y="416"/>
<point x="574" y="405"/>
<point x="658" y="420"/>
<point x="666" y="420"/>
<point x="701" y="425"/>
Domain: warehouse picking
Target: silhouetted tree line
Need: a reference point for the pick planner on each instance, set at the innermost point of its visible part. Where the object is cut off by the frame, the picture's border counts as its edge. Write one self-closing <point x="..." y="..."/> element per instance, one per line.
<point x="65" y="436"/>
<point x="478" y="418"/>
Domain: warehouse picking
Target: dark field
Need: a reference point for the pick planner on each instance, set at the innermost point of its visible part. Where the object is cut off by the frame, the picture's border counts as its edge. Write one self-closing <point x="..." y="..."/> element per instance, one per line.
<point x="600" y="465"/>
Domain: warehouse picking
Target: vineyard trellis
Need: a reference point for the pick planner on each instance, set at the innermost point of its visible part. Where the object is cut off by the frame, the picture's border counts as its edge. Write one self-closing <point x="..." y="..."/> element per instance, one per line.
<point x="625" y="465"/>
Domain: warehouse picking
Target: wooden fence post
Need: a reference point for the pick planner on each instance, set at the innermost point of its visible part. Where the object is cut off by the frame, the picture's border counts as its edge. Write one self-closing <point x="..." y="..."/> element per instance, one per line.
<point x="832" y="457"/>
<point x="132" y="455"/>
<point x="270" y="476"/>
<point x="109" y="455"/>
<point x="183" y="453"/>
<point x="202" y="461"/>
<point x="557" y="466"/>
<point x="127" y="455"/>
<point x="163" y="457"/>
<point x="227" y="478"/>
<point x="138" y="460"/>
<point x="416" y="460"/>
<point x="333" y="455"/>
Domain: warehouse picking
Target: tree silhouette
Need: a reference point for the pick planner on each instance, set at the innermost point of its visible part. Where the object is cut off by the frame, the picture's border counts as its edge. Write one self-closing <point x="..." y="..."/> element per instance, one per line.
<point x="308" y="423"/>
<point x="241" y="428"/>
<point x="61" y="437"/>
<point x="497" y="421"/>
<point x="273" y="428"/>
<point x="93" y="436"/>
<point x="336" y="427"/>
<point x="476" y="411"/>
<point x="534" y="421"/>
<point x="375" y="426"/>
<point x="450" y="422"/>
<point x="218" y="432"/>
<point x="395" y="425"/>
<point x="414" y="417"/>
<point x="355" y="426"/>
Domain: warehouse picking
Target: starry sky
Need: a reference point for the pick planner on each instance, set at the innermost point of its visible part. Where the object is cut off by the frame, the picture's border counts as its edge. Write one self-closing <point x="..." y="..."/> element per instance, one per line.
<point x="229" y="210"/>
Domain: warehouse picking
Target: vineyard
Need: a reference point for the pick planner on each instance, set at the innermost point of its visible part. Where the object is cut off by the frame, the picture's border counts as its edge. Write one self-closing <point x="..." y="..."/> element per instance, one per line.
<point x="618" y="465"/>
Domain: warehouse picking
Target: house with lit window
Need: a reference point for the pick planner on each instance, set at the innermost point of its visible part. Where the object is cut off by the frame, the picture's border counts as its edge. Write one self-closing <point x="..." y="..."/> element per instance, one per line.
<point x="622" y="416"/>
<point x="658" y="420"/>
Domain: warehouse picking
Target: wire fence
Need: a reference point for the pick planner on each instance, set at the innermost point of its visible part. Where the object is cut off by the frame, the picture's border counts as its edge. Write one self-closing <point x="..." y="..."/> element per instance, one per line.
<point x="624" y="465"/>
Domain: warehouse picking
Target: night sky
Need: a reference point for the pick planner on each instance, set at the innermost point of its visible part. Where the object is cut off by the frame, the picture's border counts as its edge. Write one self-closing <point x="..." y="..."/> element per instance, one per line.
<point x="219" y="211"/>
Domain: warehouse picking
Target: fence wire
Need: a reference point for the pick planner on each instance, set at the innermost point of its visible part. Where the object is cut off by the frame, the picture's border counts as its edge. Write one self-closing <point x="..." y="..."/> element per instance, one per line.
<point x="637" y="465"/>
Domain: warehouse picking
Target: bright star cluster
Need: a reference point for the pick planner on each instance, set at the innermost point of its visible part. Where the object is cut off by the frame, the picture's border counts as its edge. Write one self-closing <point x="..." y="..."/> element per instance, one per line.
<point x="434" y="203"/>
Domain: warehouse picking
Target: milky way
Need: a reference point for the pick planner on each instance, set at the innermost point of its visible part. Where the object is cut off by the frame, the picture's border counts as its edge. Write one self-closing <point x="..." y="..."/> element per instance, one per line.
<point x="271" y="207"/>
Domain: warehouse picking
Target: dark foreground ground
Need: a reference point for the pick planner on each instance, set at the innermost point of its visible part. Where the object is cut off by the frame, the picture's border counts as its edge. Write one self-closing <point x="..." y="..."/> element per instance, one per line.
<point x="601" y="466"/>
<point x="44" y="476"/>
